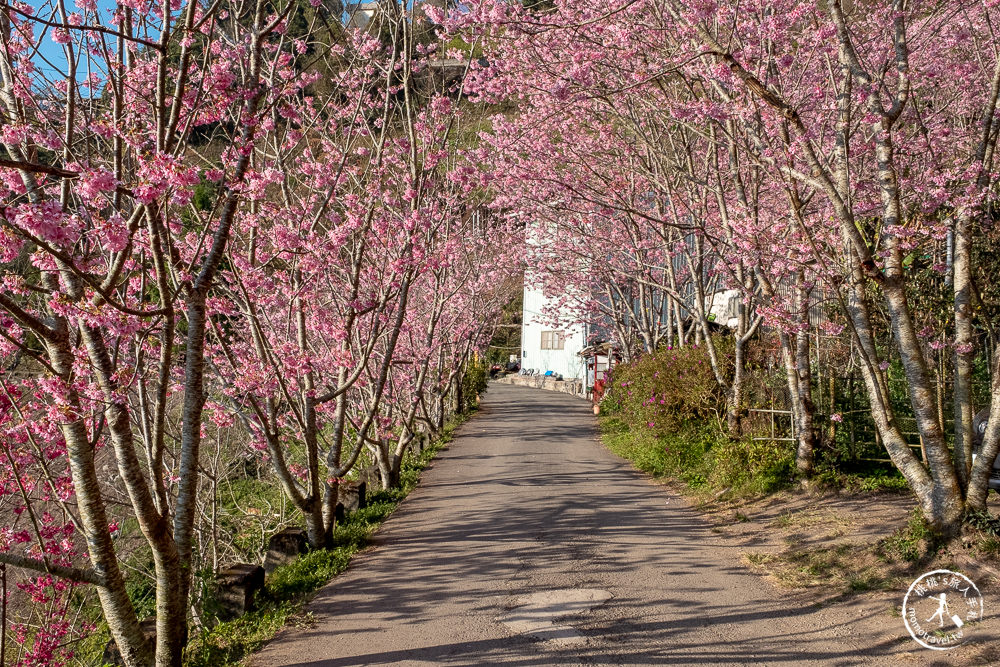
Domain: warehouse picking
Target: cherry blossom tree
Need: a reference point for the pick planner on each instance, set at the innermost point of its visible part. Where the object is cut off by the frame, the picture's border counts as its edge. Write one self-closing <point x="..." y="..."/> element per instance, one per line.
<point x="889" y="115"/>
<point x="832" y="145"/>
<point x="353" y="278"/>
<point x="109" y="265"/>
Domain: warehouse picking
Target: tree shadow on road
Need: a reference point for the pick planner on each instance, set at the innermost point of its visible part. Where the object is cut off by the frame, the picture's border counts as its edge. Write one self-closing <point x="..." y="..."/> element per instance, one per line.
<point x="503" y="517"/>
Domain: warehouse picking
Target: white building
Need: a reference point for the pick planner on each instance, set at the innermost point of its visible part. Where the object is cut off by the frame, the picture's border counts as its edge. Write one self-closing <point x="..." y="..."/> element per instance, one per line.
<point x="557" y="349"/>
<point x="547" y="348"/>
<point x="361" y="14"/>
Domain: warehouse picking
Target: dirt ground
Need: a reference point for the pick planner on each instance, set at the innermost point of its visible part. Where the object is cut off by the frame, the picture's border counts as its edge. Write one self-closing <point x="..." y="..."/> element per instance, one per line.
<point x="827" y="548"/>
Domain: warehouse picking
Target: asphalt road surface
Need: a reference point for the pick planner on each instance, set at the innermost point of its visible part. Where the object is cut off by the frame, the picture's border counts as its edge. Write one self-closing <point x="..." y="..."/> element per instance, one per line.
<point x="528" y="543"/>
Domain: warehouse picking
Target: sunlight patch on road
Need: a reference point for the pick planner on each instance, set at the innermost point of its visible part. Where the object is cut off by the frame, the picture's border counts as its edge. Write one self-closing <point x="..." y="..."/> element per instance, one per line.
<point x="537" y="614"/>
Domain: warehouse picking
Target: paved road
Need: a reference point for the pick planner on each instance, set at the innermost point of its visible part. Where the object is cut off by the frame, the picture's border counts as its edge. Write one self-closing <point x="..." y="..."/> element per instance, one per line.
<point x="529" y="544"/>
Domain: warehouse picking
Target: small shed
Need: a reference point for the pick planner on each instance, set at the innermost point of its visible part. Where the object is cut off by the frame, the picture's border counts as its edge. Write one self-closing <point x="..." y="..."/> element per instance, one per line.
<point x="598" y="359"/>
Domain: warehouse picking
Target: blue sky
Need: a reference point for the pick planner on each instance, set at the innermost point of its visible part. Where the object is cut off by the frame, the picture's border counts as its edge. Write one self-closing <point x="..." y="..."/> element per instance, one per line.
<point x="51" y="51"/>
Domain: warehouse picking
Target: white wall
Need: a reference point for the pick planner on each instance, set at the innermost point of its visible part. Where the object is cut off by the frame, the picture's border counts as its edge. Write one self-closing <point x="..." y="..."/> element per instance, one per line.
<point x="566" y="361"/>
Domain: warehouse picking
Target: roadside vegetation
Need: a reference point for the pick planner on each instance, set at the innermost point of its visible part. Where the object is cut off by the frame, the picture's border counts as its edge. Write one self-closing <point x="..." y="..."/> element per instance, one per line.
<point x="666" y="413"/>
<point x="291" y="586"/>
<point x="848" y="528"/>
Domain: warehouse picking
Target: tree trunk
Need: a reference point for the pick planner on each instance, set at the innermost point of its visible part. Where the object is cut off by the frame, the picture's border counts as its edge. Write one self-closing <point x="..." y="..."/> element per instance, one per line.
<point x="734" y="397"/>
<point x="319" y="531"/>
<point x="979" y="479"/>
<point x="886" y="424"/>
<point x="171" y="608"/>
<point x="803" y="385"/>
<point x="388" y="465"/>
<point x="119" y="613"/>
<point x="961" y="278"/>
<point x="944" y="504"/>
<point x="459" y="395"/>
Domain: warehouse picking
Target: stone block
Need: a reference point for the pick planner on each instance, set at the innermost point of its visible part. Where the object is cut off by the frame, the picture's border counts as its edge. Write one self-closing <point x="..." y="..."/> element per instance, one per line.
<point x="236" y="589"/>
<point x="284" y="547"/>
<point x="353" y="495"/>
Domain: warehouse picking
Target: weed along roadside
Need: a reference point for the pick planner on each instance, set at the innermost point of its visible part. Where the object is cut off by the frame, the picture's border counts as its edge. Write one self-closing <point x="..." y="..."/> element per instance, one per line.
<point x="289" y="587"/>
<point x="850" y="530"/>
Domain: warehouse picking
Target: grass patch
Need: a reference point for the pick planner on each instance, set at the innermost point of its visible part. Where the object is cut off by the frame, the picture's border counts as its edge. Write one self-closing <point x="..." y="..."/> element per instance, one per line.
<point x="882" y="483"/>
<point x="865" y="581"/>
<point x="810" y="519"/>
<point x="842" y="567"/>
<point x="701" y="457"/>
<point x="757" y="559"/>
<point x="984" y="522"/>
<point x="861" y="477"/>
<point x="983" y="532"/>
<point x="912" y="543"/>
<point x="289" y="587"/>
<point x="989" y="547"/>
<point x="642" y="448"/>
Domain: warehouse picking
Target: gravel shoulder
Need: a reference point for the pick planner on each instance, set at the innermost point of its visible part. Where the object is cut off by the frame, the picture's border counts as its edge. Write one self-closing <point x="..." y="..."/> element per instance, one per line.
<point x="528" y="543"/>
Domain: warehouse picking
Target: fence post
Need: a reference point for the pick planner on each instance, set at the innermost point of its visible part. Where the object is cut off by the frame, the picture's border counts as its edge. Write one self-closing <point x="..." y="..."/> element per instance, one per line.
<point x="854" y="444"/>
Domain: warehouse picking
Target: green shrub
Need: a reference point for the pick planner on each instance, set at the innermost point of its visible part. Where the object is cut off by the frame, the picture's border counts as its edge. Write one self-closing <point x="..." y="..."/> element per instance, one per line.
<point x="751" y="466"/>
<point x="665" y="409"/>
<point x="664" y="390"/>
<point x="475" y="381"/>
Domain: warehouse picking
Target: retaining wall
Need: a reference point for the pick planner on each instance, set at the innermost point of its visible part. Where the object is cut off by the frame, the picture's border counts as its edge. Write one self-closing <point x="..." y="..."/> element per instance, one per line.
<point x="574" y="387"/>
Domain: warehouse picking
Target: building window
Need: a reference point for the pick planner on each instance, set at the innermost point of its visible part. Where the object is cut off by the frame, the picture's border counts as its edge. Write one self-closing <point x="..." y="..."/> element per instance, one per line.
<point x="553" y="340"/>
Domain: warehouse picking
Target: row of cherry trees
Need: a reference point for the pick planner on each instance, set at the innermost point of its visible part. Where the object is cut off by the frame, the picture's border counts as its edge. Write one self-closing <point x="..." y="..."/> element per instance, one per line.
<point x="785" y="149"/>
<point x="232" y="212"/>
<point x="235" y="212"/>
